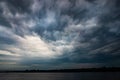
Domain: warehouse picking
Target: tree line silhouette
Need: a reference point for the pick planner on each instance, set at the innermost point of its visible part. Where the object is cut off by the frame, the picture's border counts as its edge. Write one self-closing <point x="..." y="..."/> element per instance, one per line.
<point x="102" y="69"/>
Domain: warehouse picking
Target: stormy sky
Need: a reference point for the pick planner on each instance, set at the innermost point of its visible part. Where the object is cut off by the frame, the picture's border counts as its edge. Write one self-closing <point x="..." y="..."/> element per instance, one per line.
<point x="59" y="34"/>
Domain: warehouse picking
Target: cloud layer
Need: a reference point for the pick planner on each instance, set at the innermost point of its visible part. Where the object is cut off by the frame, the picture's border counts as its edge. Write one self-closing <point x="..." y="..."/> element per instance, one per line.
<point x="59" y="33"/>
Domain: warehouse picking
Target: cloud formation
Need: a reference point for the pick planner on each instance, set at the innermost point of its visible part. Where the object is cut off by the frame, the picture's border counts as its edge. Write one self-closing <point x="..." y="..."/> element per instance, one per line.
<point x="55" y="33"/>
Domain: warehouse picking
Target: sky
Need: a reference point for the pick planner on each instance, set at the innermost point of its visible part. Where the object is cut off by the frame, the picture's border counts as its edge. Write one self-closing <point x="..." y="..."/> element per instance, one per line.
<point x="59" y="34"/>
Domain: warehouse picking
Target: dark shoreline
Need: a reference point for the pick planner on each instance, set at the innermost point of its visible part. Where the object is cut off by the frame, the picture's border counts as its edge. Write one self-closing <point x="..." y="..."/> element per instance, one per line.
<point x="65" y="70"/>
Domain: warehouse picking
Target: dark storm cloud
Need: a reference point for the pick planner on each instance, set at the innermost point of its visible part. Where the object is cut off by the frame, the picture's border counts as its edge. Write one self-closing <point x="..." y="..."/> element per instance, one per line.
<point x="63" y="32"/>
<point x="19" y="5"/>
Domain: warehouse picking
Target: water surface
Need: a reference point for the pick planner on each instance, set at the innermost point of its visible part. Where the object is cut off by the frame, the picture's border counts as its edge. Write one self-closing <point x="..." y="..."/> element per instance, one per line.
<point x="61" y="76"/>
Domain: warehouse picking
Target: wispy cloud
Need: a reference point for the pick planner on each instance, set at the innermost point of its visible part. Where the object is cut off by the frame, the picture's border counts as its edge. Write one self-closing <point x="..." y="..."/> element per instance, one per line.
<point x="59" y="31"/>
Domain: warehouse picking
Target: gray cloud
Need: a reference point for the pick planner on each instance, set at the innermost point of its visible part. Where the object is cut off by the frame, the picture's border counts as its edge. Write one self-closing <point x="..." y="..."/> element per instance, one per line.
<point x="80" y="32"/>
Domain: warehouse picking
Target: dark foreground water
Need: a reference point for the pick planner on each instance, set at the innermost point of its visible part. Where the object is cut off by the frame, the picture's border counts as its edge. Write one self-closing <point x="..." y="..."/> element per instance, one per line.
<point x="61" y="76"/>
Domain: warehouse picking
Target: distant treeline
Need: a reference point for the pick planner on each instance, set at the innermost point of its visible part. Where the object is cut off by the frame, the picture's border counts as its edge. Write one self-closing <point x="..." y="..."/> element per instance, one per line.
<point x="103" y="69"/>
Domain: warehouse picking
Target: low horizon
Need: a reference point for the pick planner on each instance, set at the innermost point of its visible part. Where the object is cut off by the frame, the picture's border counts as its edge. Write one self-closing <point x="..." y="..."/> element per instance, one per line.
<point x="102" y="69"/>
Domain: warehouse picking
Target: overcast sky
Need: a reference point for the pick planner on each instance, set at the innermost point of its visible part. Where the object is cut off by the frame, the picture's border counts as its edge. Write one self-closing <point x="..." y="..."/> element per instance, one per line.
<point x="59" y="34"/>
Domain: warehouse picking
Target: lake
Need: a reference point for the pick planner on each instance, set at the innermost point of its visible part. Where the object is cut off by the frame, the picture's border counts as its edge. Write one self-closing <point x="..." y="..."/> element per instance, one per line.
<point x="61" y="76"/>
